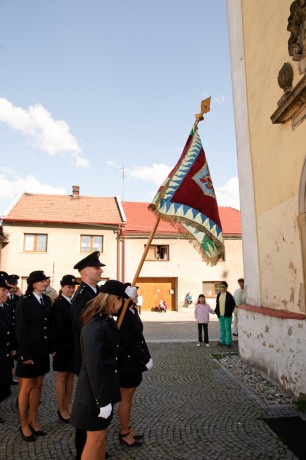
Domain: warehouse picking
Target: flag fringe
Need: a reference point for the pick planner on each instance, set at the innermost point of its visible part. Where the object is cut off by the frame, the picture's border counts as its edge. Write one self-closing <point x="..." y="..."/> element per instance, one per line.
<point x="176" y="223"/>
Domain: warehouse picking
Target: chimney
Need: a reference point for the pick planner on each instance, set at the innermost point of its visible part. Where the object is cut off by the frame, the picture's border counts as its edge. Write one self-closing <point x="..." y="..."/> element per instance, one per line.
<point x="75" y="191"/>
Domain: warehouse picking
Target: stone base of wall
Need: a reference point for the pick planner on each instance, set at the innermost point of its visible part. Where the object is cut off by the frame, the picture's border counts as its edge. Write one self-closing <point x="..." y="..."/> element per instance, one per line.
<point x="274" y="343"/>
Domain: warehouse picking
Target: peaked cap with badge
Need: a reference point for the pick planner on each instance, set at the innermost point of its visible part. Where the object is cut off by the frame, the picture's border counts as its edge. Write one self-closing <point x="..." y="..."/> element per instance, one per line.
<point x="92" y="260"/>
<point x="3" y="274"/>
<point x="68" y="280"/>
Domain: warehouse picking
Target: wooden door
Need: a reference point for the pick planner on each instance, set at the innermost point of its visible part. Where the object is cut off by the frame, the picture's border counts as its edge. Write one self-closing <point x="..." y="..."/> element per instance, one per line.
<point x="155" y="289"/>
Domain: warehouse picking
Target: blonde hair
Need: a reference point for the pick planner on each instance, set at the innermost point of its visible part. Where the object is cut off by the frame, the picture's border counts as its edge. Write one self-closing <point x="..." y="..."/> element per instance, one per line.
<point x="102" y="303"/>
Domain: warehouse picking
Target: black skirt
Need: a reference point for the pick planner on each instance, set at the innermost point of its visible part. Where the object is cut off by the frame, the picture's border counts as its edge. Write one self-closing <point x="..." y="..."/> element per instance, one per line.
<point x="131" y="380"/>
<point x="5" y="391"/>
<point x="63" y="361"/>
<point x="27" y="371"/>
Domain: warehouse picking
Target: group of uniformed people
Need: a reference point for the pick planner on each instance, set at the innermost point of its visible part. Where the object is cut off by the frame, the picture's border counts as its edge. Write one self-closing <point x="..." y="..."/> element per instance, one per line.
<point x="80" y="332"/>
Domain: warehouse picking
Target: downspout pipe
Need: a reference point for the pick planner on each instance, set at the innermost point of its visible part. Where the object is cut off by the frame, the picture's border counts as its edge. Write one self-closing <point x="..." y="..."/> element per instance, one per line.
<point x="123" y="254"/>
<point x="118" y="251"/>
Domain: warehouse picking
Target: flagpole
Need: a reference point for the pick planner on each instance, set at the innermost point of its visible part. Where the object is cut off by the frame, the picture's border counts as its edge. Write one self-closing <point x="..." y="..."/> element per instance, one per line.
<point x="205" y="108"/>
<point x="145" y="252"/>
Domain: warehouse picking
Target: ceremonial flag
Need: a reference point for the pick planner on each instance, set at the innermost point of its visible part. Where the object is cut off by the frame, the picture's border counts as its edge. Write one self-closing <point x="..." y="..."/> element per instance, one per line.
<point x="187" y="200"/>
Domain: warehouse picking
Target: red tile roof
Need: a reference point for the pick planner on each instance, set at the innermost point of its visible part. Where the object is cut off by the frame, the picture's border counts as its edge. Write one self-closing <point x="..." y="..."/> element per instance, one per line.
<point x="65" y="209"/>
<point x="100" y="210"/>
<point x="140" y="219"/>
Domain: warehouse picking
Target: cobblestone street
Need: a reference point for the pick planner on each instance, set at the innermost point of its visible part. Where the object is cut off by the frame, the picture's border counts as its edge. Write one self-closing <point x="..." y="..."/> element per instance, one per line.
<point x="188" y="407"/>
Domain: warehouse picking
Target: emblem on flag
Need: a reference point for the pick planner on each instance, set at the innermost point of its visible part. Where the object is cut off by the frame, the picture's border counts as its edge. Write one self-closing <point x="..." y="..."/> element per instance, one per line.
<point x="187" y="200"/>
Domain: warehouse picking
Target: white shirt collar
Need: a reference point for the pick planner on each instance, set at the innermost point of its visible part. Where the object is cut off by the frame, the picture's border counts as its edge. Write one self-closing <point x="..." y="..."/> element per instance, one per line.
<point x="94" y="288"/>
<point x="38" y="297"/>
<point x="67" y="298"/>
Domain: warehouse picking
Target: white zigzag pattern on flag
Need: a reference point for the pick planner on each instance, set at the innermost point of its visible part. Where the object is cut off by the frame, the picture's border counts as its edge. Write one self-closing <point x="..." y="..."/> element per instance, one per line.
<point x="199" y="236"/>
<point x="175" y="182"/>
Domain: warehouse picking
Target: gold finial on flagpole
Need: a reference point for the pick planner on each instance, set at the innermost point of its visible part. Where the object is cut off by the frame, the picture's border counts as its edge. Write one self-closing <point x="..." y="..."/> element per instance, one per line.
<point x="205" y="107"/>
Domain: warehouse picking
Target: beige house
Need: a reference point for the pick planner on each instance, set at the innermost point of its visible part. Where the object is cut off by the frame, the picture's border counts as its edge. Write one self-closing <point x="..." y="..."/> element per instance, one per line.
<point x="173" y="267"/>
<point x="53" y="232"/>
<point x="268" y="58"/>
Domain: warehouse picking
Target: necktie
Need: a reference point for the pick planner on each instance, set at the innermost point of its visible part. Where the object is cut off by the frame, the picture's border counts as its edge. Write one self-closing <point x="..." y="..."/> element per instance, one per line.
<point x="41" y="301"/>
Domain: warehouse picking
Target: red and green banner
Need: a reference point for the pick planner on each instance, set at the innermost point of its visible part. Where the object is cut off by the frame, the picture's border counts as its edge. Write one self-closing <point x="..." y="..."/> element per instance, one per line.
<point x="187" y="200"/>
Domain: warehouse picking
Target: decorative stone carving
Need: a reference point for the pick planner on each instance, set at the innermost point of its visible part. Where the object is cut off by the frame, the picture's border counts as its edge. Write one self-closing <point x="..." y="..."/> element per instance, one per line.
<point x="285" y="77"/>
<point x="297" y="27"/>
<point x="292" y="105"/>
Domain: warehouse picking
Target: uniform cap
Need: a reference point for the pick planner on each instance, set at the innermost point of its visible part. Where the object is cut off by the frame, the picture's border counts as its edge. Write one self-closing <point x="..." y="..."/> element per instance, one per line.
<point x="113" y="287"/>
<point x="12" y="279"/>
<point x="90" y="261"/>
<point x="36" y="276"/>
<point x="3" y="274"/>
<point x="68" y="280"/>
<point x="3" y="283"/>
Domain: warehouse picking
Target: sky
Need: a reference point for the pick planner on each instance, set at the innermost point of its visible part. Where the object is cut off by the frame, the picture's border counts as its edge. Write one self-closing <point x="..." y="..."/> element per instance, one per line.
<point x="103" y="94"/>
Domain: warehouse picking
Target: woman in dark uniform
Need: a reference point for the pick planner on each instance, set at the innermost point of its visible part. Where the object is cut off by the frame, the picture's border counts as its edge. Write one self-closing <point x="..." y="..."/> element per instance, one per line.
<point x="13" y="299"/>
<point x="63" y="362"/>
<point x="134" y="359"/>
<point x="35" y="339"/>
<point x="98" y="383"/>
<point x="5" y="343"/>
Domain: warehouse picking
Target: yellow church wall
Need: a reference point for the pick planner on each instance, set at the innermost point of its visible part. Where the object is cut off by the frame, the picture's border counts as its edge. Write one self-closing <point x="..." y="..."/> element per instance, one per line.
<point x="277" y="155"/>
<point x="280" y="254"/>
<point x="272" y="171"/>
<point x="275" y="158"/>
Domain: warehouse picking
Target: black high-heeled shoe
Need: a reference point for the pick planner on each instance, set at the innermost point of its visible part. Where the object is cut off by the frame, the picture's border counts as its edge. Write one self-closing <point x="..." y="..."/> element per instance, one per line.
<point x="123" y="441"/>
<point x="38" y="432"/>
<point x="31" y="438"/>
<point x="137" y="436"/>
<point x="65" y="420"/>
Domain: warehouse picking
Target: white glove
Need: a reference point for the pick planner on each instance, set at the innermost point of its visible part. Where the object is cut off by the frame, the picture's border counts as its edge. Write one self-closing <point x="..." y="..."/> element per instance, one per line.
<point x="105" y="411"/>
<point x="131" y="291"/>
<point x="149" y="364"/>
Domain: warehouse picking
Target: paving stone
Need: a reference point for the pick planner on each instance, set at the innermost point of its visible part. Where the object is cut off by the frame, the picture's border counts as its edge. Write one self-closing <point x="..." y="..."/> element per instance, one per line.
<point x="189" y="408"/>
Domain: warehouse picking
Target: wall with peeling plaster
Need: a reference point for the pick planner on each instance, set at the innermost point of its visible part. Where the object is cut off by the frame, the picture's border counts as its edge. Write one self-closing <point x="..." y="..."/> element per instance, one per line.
<point x="270" y="157"/>
<point x="271" y="161"/>
<point x="281" y="270"/>
<point x="275" y="347"/>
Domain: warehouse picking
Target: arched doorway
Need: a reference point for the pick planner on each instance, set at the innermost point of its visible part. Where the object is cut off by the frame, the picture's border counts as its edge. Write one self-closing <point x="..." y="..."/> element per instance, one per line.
<point x="302" y="223"/>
